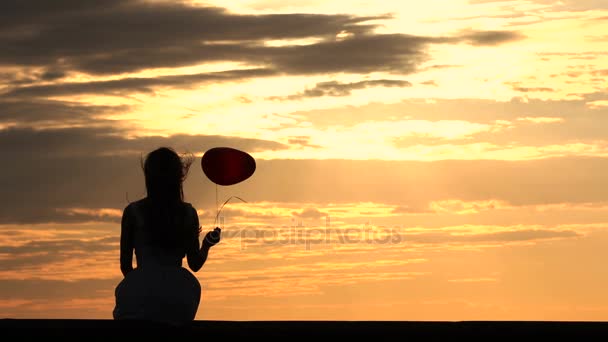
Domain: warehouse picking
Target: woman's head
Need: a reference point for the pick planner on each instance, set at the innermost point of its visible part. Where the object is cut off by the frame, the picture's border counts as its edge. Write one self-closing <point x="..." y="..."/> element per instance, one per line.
<point x="165" y="171"/>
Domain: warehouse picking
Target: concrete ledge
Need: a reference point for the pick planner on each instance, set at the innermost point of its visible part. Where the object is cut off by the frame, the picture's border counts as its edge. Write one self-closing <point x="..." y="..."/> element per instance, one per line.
<point x="92" y="329"/>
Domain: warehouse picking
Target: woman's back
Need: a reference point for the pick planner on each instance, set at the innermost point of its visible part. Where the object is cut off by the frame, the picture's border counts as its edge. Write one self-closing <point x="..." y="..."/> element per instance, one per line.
<point x="168" y="246"/>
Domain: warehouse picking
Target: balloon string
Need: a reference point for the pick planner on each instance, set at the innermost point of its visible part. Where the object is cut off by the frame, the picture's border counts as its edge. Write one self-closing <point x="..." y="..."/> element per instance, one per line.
<point x="222" y="207"/>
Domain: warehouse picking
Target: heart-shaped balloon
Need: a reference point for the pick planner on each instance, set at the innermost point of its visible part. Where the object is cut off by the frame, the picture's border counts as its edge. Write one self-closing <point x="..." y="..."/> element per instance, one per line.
<point x="227" y="166"/>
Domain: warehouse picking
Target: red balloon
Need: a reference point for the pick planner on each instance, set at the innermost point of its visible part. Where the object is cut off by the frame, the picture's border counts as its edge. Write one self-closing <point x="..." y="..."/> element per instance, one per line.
<point x="227" y="166"/>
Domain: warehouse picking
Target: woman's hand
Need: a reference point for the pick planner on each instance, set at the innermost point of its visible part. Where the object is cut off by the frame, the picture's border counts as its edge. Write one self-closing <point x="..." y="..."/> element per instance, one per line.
<point x="212" y="238"/>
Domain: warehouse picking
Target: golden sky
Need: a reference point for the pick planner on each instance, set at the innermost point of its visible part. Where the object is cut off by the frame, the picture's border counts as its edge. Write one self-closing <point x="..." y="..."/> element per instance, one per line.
<point x="434" y="160"/>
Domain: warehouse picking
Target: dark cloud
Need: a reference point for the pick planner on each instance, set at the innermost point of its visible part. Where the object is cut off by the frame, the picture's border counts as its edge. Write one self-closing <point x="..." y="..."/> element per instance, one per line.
<point x="141" y="20"/>
<point x="48" y="171"/>
<point x="430" y="83"/>
<point x="25" y="77"/>
<point x="38" y="253"/>
<point x="125" y="86"/>
<point x="57" y="169"/>
<point x="51" y="75"/>
<point x="40" y="112"/>
<point x="120" y="36"/>
<point x="105" y="141"/>
<point x="21" y="262"/>
<point x="395" y="53"/>
<point x="33" y="289"/>
<point x="61" y="210"/>
<point x="129" y="36"/>
<point x="335" y="88"/>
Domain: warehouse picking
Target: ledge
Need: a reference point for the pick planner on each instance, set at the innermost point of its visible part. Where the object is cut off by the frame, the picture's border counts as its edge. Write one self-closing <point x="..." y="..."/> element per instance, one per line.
<point x="91" y="329"/>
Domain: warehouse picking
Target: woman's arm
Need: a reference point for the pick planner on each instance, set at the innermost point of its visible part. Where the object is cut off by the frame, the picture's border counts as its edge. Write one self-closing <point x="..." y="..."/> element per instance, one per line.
<point x="197" y="256"/>
<point x="197" y="259"/>
<point x="126" y="243"/>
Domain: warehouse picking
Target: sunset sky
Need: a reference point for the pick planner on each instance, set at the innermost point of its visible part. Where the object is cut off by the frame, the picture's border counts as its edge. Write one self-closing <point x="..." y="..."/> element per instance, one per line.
<point x="416" y="160"/>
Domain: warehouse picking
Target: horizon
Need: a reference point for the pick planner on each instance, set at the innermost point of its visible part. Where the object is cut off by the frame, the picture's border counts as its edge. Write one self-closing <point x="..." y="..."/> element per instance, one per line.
<point x="435" y="161"/>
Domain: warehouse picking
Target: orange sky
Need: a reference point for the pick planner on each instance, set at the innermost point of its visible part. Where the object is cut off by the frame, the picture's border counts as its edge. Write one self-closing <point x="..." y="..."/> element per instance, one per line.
<point x="436" y="160"/>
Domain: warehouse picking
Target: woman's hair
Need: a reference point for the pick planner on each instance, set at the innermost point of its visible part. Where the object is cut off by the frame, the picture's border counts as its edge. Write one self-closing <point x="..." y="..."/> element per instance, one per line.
<point x="164" y="172"/>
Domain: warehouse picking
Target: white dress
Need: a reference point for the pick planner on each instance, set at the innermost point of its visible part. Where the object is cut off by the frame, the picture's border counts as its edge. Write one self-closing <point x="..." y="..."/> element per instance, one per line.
<point x="159" y="289"/>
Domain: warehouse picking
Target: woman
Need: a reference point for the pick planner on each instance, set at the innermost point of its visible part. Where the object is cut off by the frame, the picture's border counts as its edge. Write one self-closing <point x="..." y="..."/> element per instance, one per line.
<point x="161" y="229"/>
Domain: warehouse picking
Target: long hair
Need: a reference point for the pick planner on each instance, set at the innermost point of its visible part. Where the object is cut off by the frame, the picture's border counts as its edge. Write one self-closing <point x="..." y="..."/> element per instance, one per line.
<point x="165" y="172"/>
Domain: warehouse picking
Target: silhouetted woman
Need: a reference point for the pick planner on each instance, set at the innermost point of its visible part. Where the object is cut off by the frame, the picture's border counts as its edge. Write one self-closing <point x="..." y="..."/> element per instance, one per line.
<point x="161" y="229"/>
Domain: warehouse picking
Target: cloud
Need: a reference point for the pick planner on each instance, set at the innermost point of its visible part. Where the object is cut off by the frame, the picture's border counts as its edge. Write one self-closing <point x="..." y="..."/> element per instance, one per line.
<point x="540" y="119"/>
<point x="573" y="55"/>
<point x="597" y="104"/>
<point x="56" y="254"/>
<point x="426" y="139"/>
<point x="415" y="184"/>
<point x="106" y="141"/>
<point x="89" y="168"/>
<point x="516" y="86"/>
<point x="573" y="121"/>
<point x="513" y="236"/>
<point x="129" y="36"/>
<point x="489" y="37"/>
<point x="55" y="169"/>
<point x="532" y="89"/>
<point x="301" y="141"/>
<point x="38" y="253"/>
<point x="40" y="289"/>
<point x="335" y="88"/>
<point x="309" y="213"/>
<point x="602" y="72"/>
<point x="27" y="76"/>
<point x="523" y="235"/>
<point x="41" y="113"/>
<point x="129" y="85"/>
<point x="406" y="209"/>
<point x="231" y="213"/>
<point x="441" y="66"/>
<point x="394" y="53"/>
<point x="97" y="214"/>
<point x="576" y="5"/>
<point x="473" y="280"/>
<point x="564" y="5"/>
<point x="52" y="75"/>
